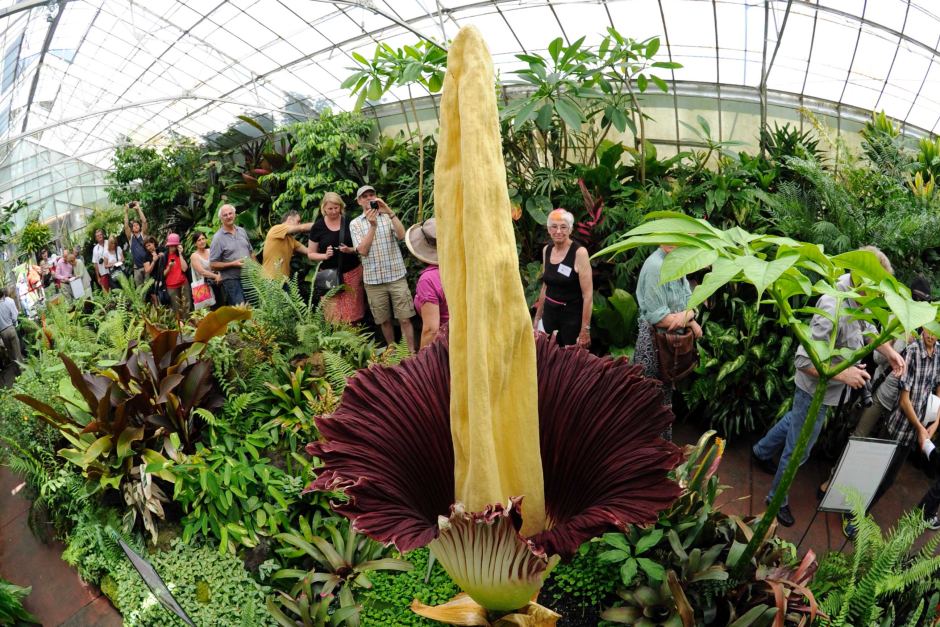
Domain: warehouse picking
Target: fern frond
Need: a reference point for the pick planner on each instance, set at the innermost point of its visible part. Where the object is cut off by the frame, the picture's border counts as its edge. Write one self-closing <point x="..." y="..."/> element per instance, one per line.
<point x="338" y="370"/>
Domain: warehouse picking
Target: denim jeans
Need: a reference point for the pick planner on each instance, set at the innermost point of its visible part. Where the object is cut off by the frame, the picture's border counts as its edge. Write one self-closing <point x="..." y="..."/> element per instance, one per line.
<point x="781" y="439"/>
<point x="233" y="291"/>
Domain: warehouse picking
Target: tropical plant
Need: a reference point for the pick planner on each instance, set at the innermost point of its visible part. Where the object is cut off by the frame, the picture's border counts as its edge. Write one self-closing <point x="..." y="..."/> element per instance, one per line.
<point x="11" y="604"/>
<point x="401" y="474"/>
<point x="230" y="490"/>
<point x="737" y="342"/>
<point x="34" y="236"/>
<point x="161" y="180"/>
<point x="423" y="63"/>
<point x="291" y="404"/>
<point x="341" y="563"/>
<point x="626" y="550"/>
<point x="775" y="266"/>
<point x="615" y="318"/>
<point x="859" y="589"/>
<point x="121" y="422"/>
<point x="425" y="483"/>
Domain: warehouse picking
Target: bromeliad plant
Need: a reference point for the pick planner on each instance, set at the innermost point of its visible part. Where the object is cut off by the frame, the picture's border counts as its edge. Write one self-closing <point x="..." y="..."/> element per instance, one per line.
<point x="342" y="561"/>
<point x="128" y="422"/>
<point x="442" y="448"/>
<point x="779" y="268"/>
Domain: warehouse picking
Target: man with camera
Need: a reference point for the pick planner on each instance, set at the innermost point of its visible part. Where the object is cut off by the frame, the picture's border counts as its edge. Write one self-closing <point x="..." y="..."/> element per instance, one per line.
<point x="280" y="245"/>
<point x="850" y="333"/>
<point x="136" y="233"/>
<point x="375" y="235"/>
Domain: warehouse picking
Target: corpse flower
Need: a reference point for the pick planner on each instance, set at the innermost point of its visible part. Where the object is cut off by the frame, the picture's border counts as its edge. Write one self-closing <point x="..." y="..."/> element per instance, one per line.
<point x="501" y="451"/>
<point x="388" y="446"/>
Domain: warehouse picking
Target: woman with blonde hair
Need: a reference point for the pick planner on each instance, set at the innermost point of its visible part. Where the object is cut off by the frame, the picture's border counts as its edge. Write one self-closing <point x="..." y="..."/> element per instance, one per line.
<point x="330" y="243"/>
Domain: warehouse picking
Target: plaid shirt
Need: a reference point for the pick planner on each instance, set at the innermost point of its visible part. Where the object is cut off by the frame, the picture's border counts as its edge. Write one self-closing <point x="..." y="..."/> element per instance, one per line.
<point x="920" y="380"/>
<point x="384" y="262"/>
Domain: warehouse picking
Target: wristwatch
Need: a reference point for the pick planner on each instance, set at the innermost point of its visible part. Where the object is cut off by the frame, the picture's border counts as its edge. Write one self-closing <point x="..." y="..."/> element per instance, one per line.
<point x="587" y="326"/>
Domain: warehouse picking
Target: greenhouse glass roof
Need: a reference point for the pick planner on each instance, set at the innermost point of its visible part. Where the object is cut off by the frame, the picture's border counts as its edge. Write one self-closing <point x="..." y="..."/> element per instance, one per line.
<point x="79" y="76"/>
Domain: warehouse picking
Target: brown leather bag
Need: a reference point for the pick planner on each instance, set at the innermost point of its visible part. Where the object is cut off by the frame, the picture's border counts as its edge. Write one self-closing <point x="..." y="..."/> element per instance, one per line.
<point x="677" y="353"/>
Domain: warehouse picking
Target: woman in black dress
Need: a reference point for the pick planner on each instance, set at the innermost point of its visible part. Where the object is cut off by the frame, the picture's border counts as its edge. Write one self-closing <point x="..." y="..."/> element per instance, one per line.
<point x="331" y="244"/>
<point x="564" y="305"/>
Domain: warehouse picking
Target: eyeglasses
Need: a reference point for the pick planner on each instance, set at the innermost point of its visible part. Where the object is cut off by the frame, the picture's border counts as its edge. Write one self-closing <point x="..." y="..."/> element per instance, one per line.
<point x="558" y="227"/>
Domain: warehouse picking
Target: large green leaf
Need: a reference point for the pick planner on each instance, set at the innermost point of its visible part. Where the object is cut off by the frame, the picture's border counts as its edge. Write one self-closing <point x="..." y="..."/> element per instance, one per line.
<point x="911" y="314"/>
<point x="685" y="260"/>
<point x="672" y="222"/>
<point x="723" y="271"/>
<point x="863" y="262"/>
<point x="101" y="446"/>
<point x="763" y="273"/>
<point x="669" y="239"/>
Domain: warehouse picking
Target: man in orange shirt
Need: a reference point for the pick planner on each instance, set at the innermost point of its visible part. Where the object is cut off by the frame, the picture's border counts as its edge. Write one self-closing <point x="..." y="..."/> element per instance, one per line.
<point x="280" y="245"/>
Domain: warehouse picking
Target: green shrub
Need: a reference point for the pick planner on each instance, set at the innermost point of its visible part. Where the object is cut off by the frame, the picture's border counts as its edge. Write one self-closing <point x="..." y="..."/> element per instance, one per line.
<point x="388" y="602"/>
<point x="213" y="589"/>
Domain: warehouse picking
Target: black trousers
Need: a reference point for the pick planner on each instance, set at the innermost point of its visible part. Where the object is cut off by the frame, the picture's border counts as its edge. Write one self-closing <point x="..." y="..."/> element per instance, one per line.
<point x="563" y="318"/>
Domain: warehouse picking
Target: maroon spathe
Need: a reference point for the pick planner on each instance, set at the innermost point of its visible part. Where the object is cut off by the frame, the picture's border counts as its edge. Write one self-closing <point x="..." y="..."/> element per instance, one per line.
<point x="388" y="446"/>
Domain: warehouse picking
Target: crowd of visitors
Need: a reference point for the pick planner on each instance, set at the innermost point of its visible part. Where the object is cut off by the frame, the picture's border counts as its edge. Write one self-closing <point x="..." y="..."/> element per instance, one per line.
<point x="359" y="260"/>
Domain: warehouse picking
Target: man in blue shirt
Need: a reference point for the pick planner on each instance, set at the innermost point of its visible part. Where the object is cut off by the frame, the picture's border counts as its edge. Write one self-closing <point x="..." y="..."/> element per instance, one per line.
<point x="136" y="233"/>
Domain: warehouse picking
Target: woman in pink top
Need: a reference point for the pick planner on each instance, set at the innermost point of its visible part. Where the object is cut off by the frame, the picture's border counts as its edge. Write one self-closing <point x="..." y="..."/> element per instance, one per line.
<point x="430" y="302"/>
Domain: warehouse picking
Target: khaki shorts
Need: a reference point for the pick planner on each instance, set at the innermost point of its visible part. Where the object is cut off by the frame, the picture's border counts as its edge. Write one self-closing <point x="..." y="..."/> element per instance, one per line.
<point x="395" y="293"/>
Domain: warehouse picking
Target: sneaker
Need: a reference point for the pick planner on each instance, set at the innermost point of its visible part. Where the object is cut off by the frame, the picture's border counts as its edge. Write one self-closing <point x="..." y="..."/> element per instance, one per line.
<point x="785" y="516"/>
<point x="765" y="465"/>
<point x="848" y="528"/>
<point x="933" y="523"/>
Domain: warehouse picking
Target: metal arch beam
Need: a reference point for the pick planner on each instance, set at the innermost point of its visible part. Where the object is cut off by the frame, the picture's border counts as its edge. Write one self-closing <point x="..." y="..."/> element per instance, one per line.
<point x="920" y="89"/>
<point x="675" y="96"/>
<point x="858" y="38"/>
<point x="717" y="69"/>
<point x="907" y="11"/>
<point x="143" y="103"/>
<point x="42" y="56"/>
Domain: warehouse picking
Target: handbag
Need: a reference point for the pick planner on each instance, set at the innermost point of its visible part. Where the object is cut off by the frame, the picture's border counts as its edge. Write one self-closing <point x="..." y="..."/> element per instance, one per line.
<point x="331" y="278"/>
<point x="203" y="296"/>
<point x="677" y="353"/>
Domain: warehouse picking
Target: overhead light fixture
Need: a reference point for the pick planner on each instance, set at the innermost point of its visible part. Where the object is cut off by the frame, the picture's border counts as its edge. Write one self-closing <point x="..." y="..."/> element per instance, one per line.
<point x="52" y="7"/>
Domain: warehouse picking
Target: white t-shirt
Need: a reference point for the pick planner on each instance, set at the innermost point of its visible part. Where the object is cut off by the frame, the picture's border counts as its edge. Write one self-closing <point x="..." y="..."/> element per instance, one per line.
<point x="98" y="257"/>
<point x="115" y="259"/>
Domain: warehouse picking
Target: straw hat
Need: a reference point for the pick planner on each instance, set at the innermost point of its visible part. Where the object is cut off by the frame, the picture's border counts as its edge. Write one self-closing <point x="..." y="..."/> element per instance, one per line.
<point x="421" y="240"/>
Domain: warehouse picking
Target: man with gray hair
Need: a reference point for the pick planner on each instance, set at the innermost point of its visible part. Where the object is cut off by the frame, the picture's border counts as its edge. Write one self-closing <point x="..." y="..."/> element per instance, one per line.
<point x="230" y="246"/>
<point x="280" y="245"/>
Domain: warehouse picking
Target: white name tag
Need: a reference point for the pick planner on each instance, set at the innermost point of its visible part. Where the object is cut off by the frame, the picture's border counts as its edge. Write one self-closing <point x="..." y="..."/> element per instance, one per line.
<point x="564" y="270"/>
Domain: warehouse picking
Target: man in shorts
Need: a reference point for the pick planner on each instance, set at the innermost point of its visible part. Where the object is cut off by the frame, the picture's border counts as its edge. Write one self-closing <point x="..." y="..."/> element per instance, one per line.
<point x="375" y="235"/>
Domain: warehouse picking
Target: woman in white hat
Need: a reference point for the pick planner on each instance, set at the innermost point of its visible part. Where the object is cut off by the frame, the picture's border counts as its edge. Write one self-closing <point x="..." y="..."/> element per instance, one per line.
<point x="430" y="302"/>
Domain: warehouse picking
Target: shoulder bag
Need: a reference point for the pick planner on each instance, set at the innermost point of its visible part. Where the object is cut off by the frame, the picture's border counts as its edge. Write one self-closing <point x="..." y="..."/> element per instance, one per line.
<point x="677" y="353"/>
<point x="331" y="278"/>
<point x="203" y="296"/>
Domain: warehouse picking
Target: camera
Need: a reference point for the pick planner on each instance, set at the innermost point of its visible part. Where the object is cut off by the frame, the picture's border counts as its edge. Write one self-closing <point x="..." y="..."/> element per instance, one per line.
<point x="374" y="204"/>
<point x="865" y="394"/>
